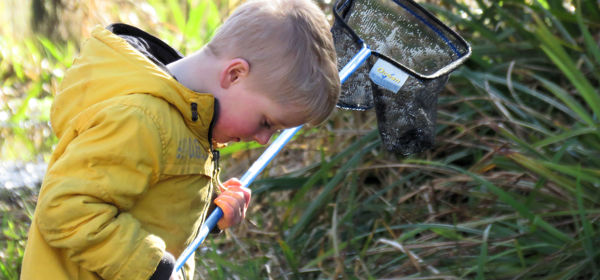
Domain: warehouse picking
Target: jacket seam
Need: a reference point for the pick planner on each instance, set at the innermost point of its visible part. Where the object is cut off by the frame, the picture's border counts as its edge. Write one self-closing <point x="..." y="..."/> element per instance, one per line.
<point x="161" y="134"/>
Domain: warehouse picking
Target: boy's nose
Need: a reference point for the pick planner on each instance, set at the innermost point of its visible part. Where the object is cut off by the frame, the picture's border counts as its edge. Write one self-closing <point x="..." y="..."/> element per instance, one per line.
<point x="263" y="137"/>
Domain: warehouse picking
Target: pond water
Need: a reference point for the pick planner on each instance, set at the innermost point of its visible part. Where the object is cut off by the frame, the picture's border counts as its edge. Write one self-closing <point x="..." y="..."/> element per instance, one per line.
<point x="15" y="175"/>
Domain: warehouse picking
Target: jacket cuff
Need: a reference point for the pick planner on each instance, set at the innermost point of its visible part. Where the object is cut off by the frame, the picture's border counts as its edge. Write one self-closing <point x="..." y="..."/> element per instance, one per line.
<point x="165" y="268"/>
<point x="144" y="260"/>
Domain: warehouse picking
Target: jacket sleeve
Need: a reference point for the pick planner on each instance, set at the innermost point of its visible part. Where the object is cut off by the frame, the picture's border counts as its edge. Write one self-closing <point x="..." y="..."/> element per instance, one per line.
<point x="88" y="191"/>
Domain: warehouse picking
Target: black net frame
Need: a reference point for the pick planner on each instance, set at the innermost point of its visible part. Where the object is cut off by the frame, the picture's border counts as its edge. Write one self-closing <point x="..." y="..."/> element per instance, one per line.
<point x="462" y="50"/>
<point x="406" y="115"/>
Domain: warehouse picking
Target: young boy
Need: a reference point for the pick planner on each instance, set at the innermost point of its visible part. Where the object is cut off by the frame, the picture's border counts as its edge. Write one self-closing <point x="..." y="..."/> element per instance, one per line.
<point x="133" y="175"/>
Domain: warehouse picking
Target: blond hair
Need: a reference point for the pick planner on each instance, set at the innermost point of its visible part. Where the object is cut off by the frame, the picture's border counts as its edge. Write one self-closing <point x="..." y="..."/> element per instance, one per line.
<point x="290" y="50"/>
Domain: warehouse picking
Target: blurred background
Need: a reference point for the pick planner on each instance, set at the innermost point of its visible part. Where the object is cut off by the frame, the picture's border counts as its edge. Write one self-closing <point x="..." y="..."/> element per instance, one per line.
<point x="510" y="190"/>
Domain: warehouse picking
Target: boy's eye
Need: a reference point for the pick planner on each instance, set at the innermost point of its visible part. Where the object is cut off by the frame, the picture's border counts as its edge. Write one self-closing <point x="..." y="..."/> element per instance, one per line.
<point x="266" y="124"/>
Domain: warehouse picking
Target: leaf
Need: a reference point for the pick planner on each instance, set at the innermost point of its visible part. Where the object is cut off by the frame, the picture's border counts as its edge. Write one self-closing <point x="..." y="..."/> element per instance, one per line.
<point x="543" y="171"/>
<point x="565" y="136"/>
<point x="588" y="231"/>
<point x="177" y="12"/>
<point x="590" y="44"/>
<point x="289" y="255"/>
<point x="567" y="99"/>
<point x="551" y="46"/>
<point x="484" y="253"/>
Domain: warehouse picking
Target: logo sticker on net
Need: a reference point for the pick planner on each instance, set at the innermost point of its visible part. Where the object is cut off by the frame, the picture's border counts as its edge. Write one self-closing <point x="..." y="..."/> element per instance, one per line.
<point x="388" y="76"/>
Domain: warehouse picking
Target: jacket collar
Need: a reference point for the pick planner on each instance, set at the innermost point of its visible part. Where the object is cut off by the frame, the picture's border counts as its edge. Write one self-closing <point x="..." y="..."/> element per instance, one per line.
<point x="161" y="54"/>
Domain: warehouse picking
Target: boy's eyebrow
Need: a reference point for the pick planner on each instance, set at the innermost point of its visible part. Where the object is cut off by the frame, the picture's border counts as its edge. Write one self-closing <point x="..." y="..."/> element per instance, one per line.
<point x="279" y="124"/>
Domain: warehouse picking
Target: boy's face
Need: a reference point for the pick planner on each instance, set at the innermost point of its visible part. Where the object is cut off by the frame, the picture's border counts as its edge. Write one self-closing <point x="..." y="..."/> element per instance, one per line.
<point x="247" y="115"/>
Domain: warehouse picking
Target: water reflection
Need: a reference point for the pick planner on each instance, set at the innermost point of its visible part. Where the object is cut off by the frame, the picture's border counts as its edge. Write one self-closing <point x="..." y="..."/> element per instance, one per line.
<point x="16" y="175"/>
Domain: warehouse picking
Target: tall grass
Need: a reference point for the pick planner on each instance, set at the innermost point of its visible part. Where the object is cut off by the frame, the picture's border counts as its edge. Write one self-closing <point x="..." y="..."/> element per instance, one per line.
<point x="509" y="192"/>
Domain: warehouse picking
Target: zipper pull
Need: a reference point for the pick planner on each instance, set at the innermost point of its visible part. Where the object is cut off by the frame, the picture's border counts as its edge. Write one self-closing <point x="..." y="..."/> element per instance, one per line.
<point x="194" y="111"/>
<point x="216" y="156"/>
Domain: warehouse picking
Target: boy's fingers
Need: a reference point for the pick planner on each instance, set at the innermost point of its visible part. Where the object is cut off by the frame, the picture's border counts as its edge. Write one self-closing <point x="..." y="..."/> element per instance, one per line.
<point x="230" y="183"/>
<point x="233" y="210"/>
<point x="244" y="193"/>
<point x="233" y="201"/>
<point x="225" y="221"/>
<point x="230" y="200"/>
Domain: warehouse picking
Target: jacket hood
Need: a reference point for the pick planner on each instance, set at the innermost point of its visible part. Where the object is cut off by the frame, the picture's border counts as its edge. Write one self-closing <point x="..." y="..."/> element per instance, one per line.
<point x="108" y="66"/>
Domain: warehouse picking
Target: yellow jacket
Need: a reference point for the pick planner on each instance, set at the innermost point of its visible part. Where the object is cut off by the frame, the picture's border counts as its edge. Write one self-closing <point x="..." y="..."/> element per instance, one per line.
<point x="132" y="175"/>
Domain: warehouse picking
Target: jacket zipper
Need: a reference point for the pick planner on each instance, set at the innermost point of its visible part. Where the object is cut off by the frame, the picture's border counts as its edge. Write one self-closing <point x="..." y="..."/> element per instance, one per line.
<point x="215" y="153"/>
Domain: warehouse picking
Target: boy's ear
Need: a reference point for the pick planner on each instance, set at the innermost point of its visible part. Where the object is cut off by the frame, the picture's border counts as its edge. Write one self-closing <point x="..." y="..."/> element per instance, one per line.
<point x="236" y="69"/>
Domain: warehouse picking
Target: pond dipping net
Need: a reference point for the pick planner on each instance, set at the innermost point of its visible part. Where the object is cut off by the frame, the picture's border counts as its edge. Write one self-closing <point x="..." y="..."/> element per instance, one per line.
<point x="412" y="54"/>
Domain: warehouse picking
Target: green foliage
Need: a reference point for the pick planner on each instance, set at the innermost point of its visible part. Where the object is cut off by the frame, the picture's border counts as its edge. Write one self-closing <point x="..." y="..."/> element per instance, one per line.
<point x="13" y="236"/>
<point x="511" y="190"/>
<point x="30" y="69"/>
<point x="195" y="21"/>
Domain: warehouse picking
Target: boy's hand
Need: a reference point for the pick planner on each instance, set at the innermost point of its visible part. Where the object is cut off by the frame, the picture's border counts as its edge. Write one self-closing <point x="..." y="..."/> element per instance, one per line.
<point x="234" y="201"/>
